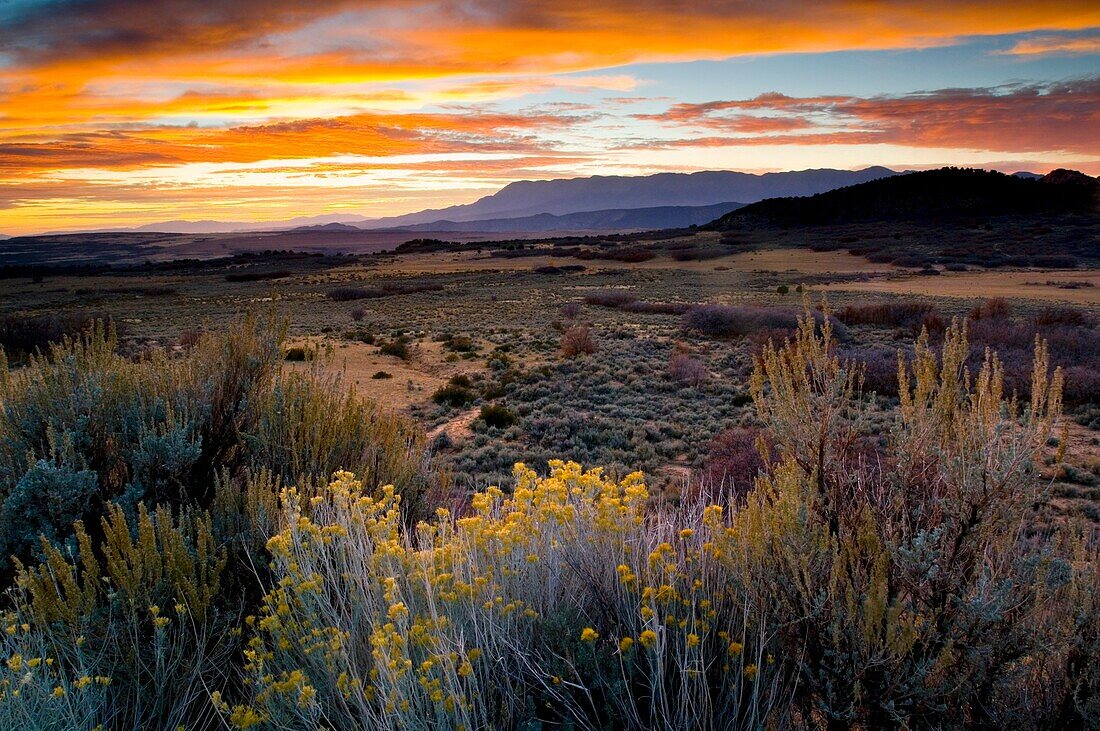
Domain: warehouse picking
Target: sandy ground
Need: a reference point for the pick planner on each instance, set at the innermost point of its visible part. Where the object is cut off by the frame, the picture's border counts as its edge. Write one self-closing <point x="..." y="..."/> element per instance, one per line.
<point x="1036" y="285"/>
<point x="804" y="261"/>
<point x="412" y="381"/>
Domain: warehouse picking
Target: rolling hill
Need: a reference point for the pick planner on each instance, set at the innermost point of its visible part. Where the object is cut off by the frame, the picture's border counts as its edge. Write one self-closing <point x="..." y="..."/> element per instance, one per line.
<point x="930" y="195"/>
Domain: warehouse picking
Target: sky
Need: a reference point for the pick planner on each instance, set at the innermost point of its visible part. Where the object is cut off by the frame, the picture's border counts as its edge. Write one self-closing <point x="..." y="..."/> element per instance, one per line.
<point x="117" y="113"/>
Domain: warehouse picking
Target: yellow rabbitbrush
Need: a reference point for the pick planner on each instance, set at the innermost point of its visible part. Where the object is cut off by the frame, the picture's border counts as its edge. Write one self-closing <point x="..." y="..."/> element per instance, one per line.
<point x="568" y="590"/>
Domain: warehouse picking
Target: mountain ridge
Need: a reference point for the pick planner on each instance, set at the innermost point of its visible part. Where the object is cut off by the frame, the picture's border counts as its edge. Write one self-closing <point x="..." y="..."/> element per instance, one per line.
<point x="615" y="192"/>
<point x="611" y="219"/>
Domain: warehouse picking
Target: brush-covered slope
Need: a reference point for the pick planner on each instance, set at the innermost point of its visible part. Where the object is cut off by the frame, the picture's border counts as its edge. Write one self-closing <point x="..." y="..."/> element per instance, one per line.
<point x="930" y="195"/>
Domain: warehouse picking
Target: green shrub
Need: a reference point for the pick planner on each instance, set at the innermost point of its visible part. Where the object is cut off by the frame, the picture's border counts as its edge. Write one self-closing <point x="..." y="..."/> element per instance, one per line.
<point x="397" y="348"/>
<point x="453" y="395"/>
<point x="497" y="416"/>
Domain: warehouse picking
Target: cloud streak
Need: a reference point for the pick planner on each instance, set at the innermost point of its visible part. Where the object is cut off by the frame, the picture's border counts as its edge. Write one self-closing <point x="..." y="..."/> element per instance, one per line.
<point x="1062" y="117"/>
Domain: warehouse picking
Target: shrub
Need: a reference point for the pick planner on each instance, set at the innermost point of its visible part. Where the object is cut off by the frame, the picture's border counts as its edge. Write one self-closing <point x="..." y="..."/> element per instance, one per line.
<point x="732" y="464"/>
<point x="576" y="341"/>
<point x="1060" y="315"/>
<point x="134" y="640"/>
<point x="389" y="289"/>
<point x="190" y="337"/>
<point x="571" y="310"/>
<point x="460" y="344"/>
<point x="689" y="371"/>
<point x="995" y="308"/>
<point x="94" y="428"/>
<point x="610" y="298"/>
<point x="22" y="335"/>
<point x="433" y="632"/>
<point x="932" y="530"/>
<point x="348" y="294"/>
<point x="497" y="416"/>
<point x="397" y="348"/>
<point x="453" y="395"/>
<point x="253" y="276"/>
<point x="461" y="380"/>
<point x="733" y="321"/>
<point x="906" y="314"/>
<point x="358" y="314"/>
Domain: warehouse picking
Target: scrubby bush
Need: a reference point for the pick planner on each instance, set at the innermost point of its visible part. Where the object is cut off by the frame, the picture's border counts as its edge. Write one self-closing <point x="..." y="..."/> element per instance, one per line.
<point x="298" y="354"/>
<point x="397" y="348"/>
<point x="388" y="289"/>
<point x="888" y="568"/>
<point x="258" y="276"/>
<point x="906" y="314"/>
<point x="995" y="308"/>
<point x="599" y="602"/>
<point x="689" y="371"/>
<point x="610" y="298"/>
<point x="571" y="310"/>
<point x="734" y="321"/>
<point x="453" y="395"/>
<point x="137" y="497"/>
<point x="733" y="463"/>
<point x="1060" y="315"/>
<point x="358" y="314"/>
<point x="577" y="340"/>
<point x="497" y="416"/>
<point x="23" y="335"/>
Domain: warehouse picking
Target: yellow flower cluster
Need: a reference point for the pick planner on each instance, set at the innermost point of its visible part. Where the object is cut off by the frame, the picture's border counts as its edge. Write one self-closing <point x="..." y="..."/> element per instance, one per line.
<point x="392" y="623"/>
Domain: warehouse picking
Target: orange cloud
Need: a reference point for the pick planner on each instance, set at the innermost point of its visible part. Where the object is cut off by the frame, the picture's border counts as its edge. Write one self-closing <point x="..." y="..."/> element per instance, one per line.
<point x="1057" y="45"/>
<point x="1061" y="117"/>
<point x="373" y="135"/>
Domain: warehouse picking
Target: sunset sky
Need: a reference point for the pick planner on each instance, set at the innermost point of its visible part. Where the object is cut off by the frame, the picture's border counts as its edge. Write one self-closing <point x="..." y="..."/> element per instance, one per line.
<point x="125" y="112"/>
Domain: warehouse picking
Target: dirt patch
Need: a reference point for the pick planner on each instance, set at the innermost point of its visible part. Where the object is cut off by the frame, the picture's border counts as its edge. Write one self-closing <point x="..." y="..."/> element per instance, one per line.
<point x="410" y="381"/>
<point x="458" y="428"/>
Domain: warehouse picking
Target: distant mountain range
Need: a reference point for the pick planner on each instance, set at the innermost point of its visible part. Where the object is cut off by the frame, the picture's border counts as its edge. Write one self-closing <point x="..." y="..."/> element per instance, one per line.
<point x="929" y="195"/>
<point x="604" y="193"/>
<point x="607" y="197"/>
<point x="614" y="219"/>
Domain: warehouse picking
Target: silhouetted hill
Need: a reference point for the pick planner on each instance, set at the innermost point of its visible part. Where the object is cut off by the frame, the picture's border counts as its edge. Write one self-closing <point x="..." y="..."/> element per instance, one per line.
<point x="658" y="217"/>
<point x="930" y="195"/>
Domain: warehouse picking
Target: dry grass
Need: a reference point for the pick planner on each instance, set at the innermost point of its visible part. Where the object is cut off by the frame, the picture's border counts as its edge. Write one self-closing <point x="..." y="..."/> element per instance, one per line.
<point x="1033" y="285"/>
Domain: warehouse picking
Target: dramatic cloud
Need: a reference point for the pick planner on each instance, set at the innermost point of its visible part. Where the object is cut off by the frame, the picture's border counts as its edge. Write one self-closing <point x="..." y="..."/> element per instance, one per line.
<point x="1061" y="117"/>
<point x="140" y="109"/>
<point x="493" y="33"/>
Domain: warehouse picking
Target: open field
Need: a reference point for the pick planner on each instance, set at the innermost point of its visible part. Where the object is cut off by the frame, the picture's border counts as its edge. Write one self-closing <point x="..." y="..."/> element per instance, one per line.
<point x="1077" y="287"/>
<point x="507" y="315"/>
<point x="472" y="362"/>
